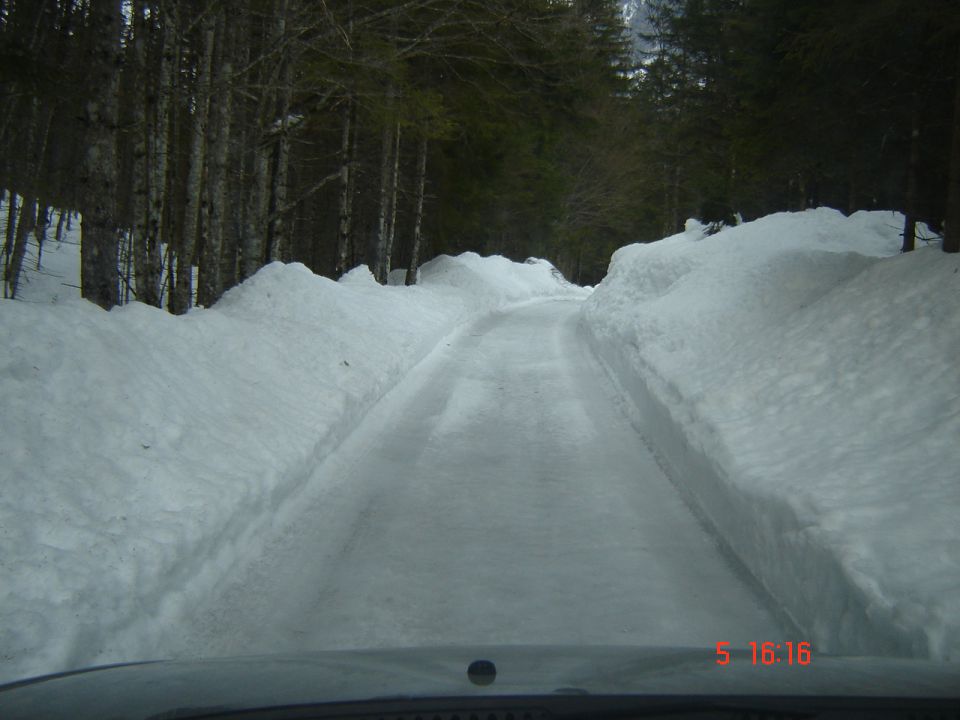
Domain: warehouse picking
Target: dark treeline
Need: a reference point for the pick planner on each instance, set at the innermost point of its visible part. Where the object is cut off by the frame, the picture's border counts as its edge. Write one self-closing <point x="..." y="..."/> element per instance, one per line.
<point x="202" y="139"/>
<point x="755" y="106"/>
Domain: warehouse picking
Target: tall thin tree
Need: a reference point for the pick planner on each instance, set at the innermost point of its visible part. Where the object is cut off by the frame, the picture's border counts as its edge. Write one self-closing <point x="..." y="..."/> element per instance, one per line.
<point x="98" y="245"/>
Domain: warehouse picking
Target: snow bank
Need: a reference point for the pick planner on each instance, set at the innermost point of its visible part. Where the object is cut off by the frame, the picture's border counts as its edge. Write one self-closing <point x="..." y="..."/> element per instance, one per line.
<point x="799" y="378"/>
<point x="497" y="277"/>
<point x="142" y="455"/>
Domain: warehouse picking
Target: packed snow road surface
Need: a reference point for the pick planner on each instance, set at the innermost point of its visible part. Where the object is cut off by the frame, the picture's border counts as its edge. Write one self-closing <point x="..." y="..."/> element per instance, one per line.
<point x="497" y="495"/>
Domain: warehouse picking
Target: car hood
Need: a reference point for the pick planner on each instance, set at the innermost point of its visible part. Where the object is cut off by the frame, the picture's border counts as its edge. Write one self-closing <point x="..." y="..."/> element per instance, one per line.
<point x="173" y="688"/>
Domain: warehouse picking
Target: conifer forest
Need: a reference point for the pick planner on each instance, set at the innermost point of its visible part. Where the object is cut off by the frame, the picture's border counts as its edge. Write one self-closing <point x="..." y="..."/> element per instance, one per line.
<point x="198" y="140"/>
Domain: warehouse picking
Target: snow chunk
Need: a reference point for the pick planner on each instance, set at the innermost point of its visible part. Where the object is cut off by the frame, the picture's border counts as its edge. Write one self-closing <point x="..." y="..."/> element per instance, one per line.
<point x="360" y="275"/>
<point x="695" y="229"/>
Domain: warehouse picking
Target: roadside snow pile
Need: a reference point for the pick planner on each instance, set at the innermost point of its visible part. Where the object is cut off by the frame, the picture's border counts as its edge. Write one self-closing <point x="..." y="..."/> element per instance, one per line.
<point x="142" y="455"/>
<point x="514" y="282"/>
<point x="800" y="379"/>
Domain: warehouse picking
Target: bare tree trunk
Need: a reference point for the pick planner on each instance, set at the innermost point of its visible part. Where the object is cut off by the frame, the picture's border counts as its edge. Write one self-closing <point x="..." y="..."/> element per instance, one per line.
<point x="198" y="151"/>
<point x="910" y="214"/>
<point x="394" y="189"/>
<point x="16" y="241"/>
<point x="675" y="201"/>
<point x="127" y="275"/>
<point x="277" y="239"/>
<point x="732" y="187"/>
<point x="253" y="235"/>
<point x="380" y="248"/>
<point x="211" y="284"/>
<point x="28" y="217"/>
<point x="171" y="284"/>
<point x="157" y="146"/>
<point x="60" y="222"/>
<point x="9" y="239"/>
<point x="40" y="229"/>
<point x="238" y="169"/>
<point x="346" y="161"/>
<point x="951" y="234"/>
<point x="418" y="213"/>
<point x="98" y="245"/>
<point x="253" y="189"/>
<point x="262" y="237"/>
<point x="277" y="230"/>
<point x="40" y="157"/>
<point x="140" y="174"/>
<point x="233" y="225"/>
<point x="347" y="157"/>
<point x="354" y="249"/>
<point x="172" y="219"/>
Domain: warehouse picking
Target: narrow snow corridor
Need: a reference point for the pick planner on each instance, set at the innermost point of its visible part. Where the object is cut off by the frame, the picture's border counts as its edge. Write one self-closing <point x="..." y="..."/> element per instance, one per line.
<point x="498" y="495"/>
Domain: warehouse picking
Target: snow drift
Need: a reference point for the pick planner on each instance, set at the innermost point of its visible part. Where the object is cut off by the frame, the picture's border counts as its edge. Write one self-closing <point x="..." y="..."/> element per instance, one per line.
<point x="799" y="379"/>
<point x="143" y="454"/>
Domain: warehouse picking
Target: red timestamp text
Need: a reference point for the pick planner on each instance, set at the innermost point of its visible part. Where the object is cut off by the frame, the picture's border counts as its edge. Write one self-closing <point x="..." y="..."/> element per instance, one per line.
<point x="770" y="653"/>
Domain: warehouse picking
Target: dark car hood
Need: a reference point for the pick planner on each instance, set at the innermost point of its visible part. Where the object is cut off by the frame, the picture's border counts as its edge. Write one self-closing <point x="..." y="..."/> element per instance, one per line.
<point x="169" y="688"/>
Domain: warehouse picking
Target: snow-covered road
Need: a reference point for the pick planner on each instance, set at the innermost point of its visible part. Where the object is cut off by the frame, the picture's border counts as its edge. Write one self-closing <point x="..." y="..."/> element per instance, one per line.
<point x="497" y="495"/>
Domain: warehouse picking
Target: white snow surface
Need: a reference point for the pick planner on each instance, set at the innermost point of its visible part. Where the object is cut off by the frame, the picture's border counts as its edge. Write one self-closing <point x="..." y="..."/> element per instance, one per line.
<point x="143" y="455"/>
<point x="799" y="378"/>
